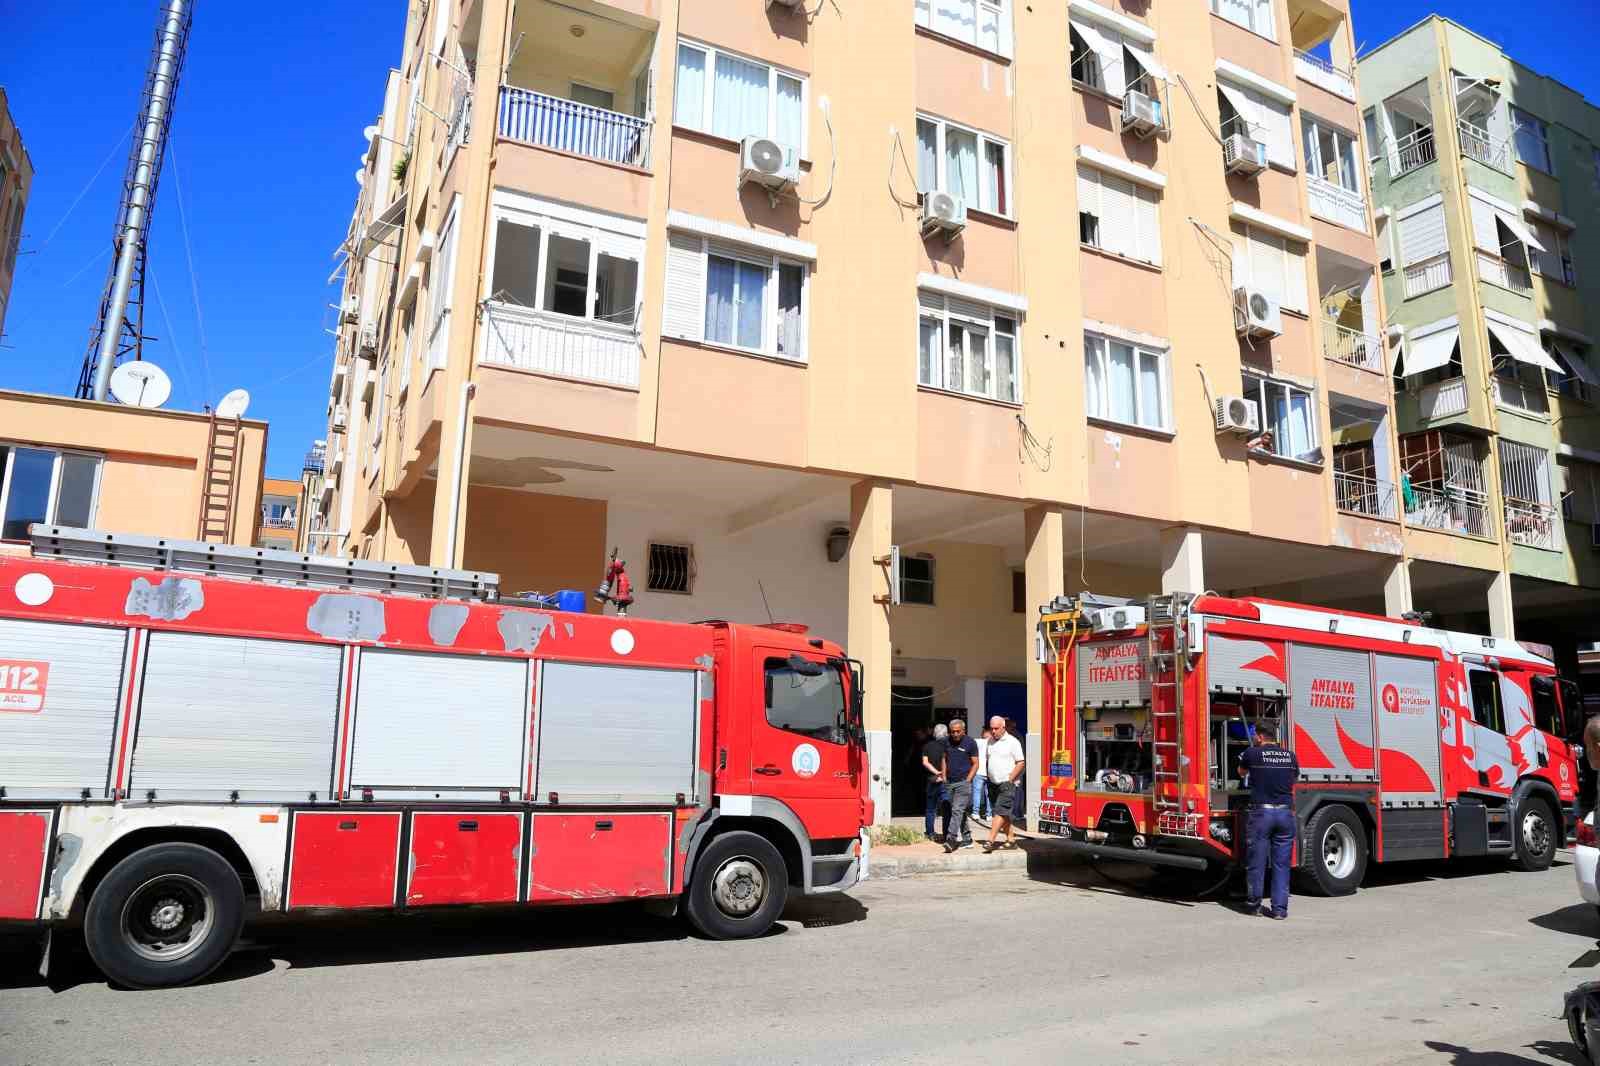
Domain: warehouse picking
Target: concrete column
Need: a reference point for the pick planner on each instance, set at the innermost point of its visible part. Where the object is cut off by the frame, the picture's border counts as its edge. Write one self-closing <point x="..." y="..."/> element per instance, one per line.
<point x="973" y="687"/>
<point x="871" y="535"/>
<point x="1182" y="562"/>
<point x="1045" y="579"/>
<point x="1397" y="589"/>
<point x="1502" y="622"/>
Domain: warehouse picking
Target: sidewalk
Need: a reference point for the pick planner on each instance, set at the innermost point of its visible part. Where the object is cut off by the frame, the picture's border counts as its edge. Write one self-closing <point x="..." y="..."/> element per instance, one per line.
<point x="926" y="857"/>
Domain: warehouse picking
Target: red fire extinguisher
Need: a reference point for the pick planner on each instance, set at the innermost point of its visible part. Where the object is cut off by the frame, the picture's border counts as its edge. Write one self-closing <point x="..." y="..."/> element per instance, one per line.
<point x="615" y="589"/>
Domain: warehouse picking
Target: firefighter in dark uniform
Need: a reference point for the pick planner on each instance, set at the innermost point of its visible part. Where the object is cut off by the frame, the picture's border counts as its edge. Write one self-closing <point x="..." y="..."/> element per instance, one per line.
<point x="1272" y="770"/>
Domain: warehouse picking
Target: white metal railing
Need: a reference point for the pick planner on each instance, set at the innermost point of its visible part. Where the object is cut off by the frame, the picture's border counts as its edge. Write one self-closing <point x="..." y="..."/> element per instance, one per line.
<point x="1477" y="144"/>
<point x="1428" y="274"/>
<point x="1415" y="149"/>
<point x="549" y="343"/>
<point x="1335" y="203"/>
<point x="1521" y="395"/>
<point x="1535" y="525"/>
<point x="460" y="131"/>
<point x="1320" y="72"/>
<point x="277" y="523"/>
<point x="568" y="126"/>
<point x="1351" y="346"/>
<point x="1362" y="495"/>
<point x="1497" y="271"/>
<point x="1451" y="510"/>
<point x="1443" y="399"/>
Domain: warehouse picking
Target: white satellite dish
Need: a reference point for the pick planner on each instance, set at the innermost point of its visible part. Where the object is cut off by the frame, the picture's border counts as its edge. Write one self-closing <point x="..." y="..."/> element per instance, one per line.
<point x="234" y="404"/>
<point x="140" y="384"/>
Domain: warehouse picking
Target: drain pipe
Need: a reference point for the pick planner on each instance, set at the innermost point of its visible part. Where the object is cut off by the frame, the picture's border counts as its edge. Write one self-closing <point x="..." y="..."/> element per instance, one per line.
<point x="468" y="388"/>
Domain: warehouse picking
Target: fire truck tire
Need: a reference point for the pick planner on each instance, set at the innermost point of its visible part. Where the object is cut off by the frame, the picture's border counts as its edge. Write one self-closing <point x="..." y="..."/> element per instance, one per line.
<point x="740" y="887"/>
<point x="1334" y="846"/>
<point x="166" y="915"/>
<point x="1535" y="834"/>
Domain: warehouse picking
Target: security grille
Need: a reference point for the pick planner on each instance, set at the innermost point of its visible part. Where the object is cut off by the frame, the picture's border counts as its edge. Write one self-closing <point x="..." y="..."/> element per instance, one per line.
<point x="671" y="568"/>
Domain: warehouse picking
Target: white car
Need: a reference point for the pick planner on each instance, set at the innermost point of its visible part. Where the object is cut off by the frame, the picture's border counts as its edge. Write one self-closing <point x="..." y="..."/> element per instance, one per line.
<point x="1585" y="857"/>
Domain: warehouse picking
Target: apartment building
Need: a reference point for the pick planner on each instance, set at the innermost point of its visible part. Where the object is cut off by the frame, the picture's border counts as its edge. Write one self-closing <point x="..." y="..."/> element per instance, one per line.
<point x="16" y="179"/>
<point x="764" y="295"/>
<point x="280" y="514"/>
<point x="1487" y="180"/>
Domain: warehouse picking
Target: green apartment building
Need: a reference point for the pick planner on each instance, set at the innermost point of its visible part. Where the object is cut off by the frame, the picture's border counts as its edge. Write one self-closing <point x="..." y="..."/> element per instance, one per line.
<point x="1486" y="181"/>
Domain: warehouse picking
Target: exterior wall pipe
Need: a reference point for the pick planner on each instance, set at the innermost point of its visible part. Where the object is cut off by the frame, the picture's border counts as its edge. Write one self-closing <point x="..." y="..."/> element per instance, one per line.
<point x="467" y="389"/>
<point x="151" y="145"/>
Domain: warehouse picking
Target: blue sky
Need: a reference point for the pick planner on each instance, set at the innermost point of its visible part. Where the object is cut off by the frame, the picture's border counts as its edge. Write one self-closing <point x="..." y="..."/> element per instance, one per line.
<point x="266" y="140"/>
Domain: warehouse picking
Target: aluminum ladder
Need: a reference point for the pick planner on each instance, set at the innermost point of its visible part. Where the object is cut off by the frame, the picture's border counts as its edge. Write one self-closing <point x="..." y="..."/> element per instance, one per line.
<point x="1166" y="638"/>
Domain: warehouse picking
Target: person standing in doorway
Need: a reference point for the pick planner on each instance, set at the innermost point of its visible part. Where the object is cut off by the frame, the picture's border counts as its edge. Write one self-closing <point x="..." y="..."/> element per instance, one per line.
<point x="1273" y="771"/>
<point x="933" y="764"/>
<point x="1005" y="763"/>
<point x="980" y="780"/>
<point x="960" y="767"/>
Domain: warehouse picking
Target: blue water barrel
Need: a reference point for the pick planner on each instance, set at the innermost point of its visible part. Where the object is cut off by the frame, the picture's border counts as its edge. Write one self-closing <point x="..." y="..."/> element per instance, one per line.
<point x="571" y="600"/>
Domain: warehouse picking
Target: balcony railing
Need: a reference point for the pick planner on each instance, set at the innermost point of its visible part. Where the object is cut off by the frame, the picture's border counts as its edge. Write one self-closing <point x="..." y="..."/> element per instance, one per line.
<point x="1352" y="346"/>
<point x="1450" y="510"/>
<point x="1335" y="203"/>
<point x="1521" y="395"/>
<point x="278" y="523"/>
<point x="1320" y="72"/>
<point x="1477" y="144"/>
<point x="1356" y="494"/>
<point x="568" y="126"/>
<point x="1415" y="149"/>
<point x="1534" y="525"/>
<point x="1427" y="275"/>
<point x="1497" y="271"/>
<point x="1443" y="399"/>
<point x="548" y="343"/>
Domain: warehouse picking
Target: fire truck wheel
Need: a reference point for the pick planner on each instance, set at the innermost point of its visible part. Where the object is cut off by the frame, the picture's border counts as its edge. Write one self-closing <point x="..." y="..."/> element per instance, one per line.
<point x="740" y="886"/>
<point x="1335" y="851"/>
<point x="1536" y="835"/>
<point x="166" y="915"/>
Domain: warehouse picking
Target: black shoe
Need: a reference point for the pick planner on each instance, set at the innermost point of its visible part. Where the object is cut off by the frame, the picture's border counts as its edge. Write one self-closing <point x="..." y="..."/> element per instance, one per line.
<point x="1275" y="917"/>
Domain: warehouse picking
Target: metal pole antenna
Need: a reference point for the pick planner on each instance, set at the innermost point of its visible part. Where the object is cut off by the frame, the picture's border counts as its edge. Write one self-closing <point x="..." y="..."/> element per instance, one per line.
<point x="170" y="43"/>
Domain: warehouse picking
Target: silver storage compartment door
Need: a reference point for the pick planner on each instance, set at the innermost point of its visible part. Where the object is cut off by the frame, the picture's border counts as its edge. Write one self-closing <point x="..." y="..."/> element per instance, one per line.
<point x="219" y="715"/>
<point x="1238" y="664"/>
<point x="1408" y="730"/>
<point x="616" y="734"/>
<point x="58" y="708"/>
<point x="1331" y="711"/>
<point x="447" y="723"/>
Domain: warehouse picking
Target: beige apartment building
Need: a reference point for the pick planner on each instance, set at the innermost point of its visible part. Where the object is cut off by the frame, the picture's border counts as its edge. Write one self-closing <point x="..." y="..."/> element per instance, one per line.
<point x="1050" y="296"/>
<point x="16" y="179"/>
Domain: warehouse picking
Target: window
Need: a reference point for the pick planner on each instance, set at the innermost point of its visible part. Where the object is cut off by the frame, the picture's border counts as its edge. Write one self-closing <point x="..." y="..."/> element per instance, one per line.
<point x="1125" y="382"/>
<point x="1118" y="216"/>
<point x="1288" y="415"/>
<point x="1262" y="118"/>
<point x="967" y="347"/>
<point x="1019" y="592"/>
<point x="1105" y="59"/>
<point x="964" y="163"/>
<point x="1485" y="688"/>
<point x="916" y="579"/>
<point x="1330" y="154"/>
<point x="741" y="297"/>
<point x="1576" y="375"/>
<point x="1595" y="156"/>
<point x="1085" y="61"/>
<point x="1385" y="241"/>
<point x="565" y="267"/>
<point x="47" y="486"/>
<point x="983" y="24"/>
<point x="1532" y="139"/>
<point x="1546" y="715"/>
<point x="441" y="280"/>
<point x="1581" y="501"/>
<point x="1555" y="262"/>
<point x="671" y="568"/>
<point x="1253" y="15"/>
<point x="806" y="702"/>
<point x="1524" y="474"/>
<point x="1274" y="264"/>
<point x="721" y="94"/>
<point x="604" y="99"/>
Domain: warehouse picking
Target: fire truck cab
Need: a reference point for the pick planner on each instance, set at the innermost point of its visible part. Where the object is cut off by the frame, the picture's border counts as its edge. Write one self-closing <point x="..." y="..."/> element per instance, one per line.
<point x="190" y="733"/>
<point x="1413" y="742"/>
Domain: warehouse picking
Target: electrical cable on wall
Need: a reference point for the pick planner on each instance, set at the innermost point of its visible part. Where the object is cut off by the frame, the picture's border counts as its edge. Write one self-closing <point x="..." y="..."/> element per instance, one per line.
<point x="1205" y="120"/>
<point x="894" y="147"/>
<point x="1030" y="449"/>
<point x="833" y="150"/>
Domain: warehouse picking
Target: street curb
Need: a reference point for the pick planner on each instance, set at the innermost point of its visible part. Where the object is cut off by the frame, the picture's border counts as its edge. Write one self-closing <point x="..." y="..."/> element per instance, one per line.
<point x="889" y="868"/>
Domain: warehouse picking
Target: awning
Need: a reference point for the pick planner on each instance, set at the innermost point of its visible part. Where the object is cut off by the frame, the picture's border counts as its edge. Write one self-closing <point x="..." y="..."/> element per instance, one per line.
<point x="1240" y="102"/>
<point x="1147" y="59"/>
<point x="1518" y="229"/>
<point x="1524" y="347"/>
<point x="383" y="227"/>
<point x="1432" y="351"/>
<point x="1580" y="368"/>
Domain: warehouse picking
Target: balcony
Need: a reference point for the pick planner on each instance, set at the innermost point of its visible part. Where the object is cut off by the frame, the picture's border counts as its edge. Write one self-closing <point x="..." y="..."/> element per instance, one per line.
<point x="1356" y="494"/>
<point x="567" y="126"/>
<point x="1324" y="75"/>
<point x="544" y="342"/>
<point x="1443" y="399"/>
<point x="1428" y="274"/>
<point x="1334" y="203"/>
<point x="1352" y="347"/>
<point x="285" y="524"/>
<point x="1527" y="397"/>
<point x="1533" y="525"/>
<point x="1477" y="144"/>
<point x="1414" y="150"/>
<point x="1449" y="510"/>
<point x="1497" y="271"/>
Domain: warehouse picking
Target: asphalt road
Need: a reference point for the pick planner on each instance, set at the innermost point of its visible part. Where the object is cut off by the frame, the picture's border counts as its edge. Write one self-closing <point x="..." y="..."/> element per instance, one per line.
<point x="1429" y="965"/>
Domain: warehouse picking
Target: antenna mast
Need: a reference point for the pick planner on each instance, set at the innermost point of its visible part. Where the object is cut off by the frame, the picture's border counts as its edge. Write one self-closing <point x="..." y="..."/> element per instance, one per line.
<point x="119" y="328"/>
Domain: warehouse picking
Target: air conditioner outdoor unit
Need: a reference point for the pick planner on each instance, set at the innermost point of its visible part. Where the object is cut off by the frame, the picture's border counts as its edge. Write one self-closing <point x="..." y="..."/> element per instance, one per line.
<point x="1241" y="155"/>
<point x="351" y="310"/>
<point x="766" y="162"/>
<point x="942" y="212"/>
<point x="369" y="338"/>
<point x="1117" y="619"/>
<point x="1140" y="113"/>
<point x="341" y="418"/>
<point x="1255" y="314"/>
<point x="1238" y="416"/>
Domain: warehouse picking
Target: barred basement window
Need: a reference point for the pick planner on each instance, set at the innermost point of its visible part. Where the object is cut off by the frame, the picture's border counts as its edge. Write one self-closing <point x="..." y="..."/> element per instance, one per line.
<point x="671" y="568"/>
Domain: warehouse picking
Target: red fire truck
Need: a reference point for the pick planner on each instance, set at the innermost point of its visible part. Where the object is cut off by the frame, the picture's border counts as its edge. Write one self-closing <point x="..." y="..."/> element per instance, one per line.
<point x="189" y="732"/>
<point x="1413" y="742"/>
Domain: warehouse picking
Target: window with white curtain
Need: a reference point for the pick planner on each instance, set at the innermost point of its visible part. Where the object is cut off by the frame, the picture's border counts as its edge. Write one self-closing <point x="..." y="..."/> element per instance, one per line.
<point x="48" y="486"/>
<point x="735" y="296"/>
<point x="963" y="162"/>
<point x="1273" y="264"/>
<point x="968" y="347"/>
<point x="1288" y="414"/>
<point x="1126" y="382"/>
<point x="1118" y="215"/>
<point x="1253" y="15"/>
<point x="983" y="24"/>
<point x="1532" y="139"/>
<point x="729" y="96"/>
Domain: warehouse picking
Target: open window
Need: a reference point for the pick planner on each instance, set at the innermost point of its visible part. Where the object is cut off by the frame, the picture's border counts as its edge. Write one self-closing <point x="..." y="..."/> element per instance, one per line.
<point x="1484" y="684"/>
<point x="574" y="271"/>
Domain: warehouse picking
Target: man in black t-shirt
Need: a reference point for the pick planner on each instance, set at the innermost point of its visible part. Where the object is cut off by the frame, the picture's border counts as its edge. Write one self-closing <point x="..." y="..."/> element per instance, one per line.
<point x="1272" y="770"/>
<point x="933" y="765"/>
<point x="960" y="766"/>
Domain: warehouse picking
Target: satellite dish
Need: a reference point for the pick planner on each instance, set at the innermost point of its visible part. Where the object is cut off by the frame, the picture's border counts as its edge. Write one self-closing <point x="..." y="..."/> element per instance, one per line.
<point x="369" y="133"/>
<point x="140" y="384"/>
<point x="234" y="404"/>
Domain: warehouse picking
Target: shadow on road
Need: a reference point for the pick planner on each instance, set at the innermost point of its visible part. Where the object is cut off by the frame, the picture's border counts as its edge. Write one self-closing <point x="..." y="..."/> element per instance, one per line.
<point x="1578" y="920"/>
<point x="1548" y="1051"/>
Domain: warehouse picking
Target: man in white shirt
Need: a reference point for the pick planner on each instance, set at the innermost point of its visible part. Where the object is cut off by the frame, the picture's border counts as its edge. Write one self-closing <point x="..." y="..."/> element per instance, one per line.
<point x="980" y="783"/>
<point x="1003" y="760"/>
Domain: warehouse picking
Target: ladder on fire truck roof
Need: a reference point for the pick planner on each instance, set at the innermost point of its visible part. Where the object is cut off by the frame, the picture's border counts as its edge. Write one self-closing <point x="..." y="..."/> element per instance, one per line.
<point x="1167" y="637"/>
<point x="271" y="565"/>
